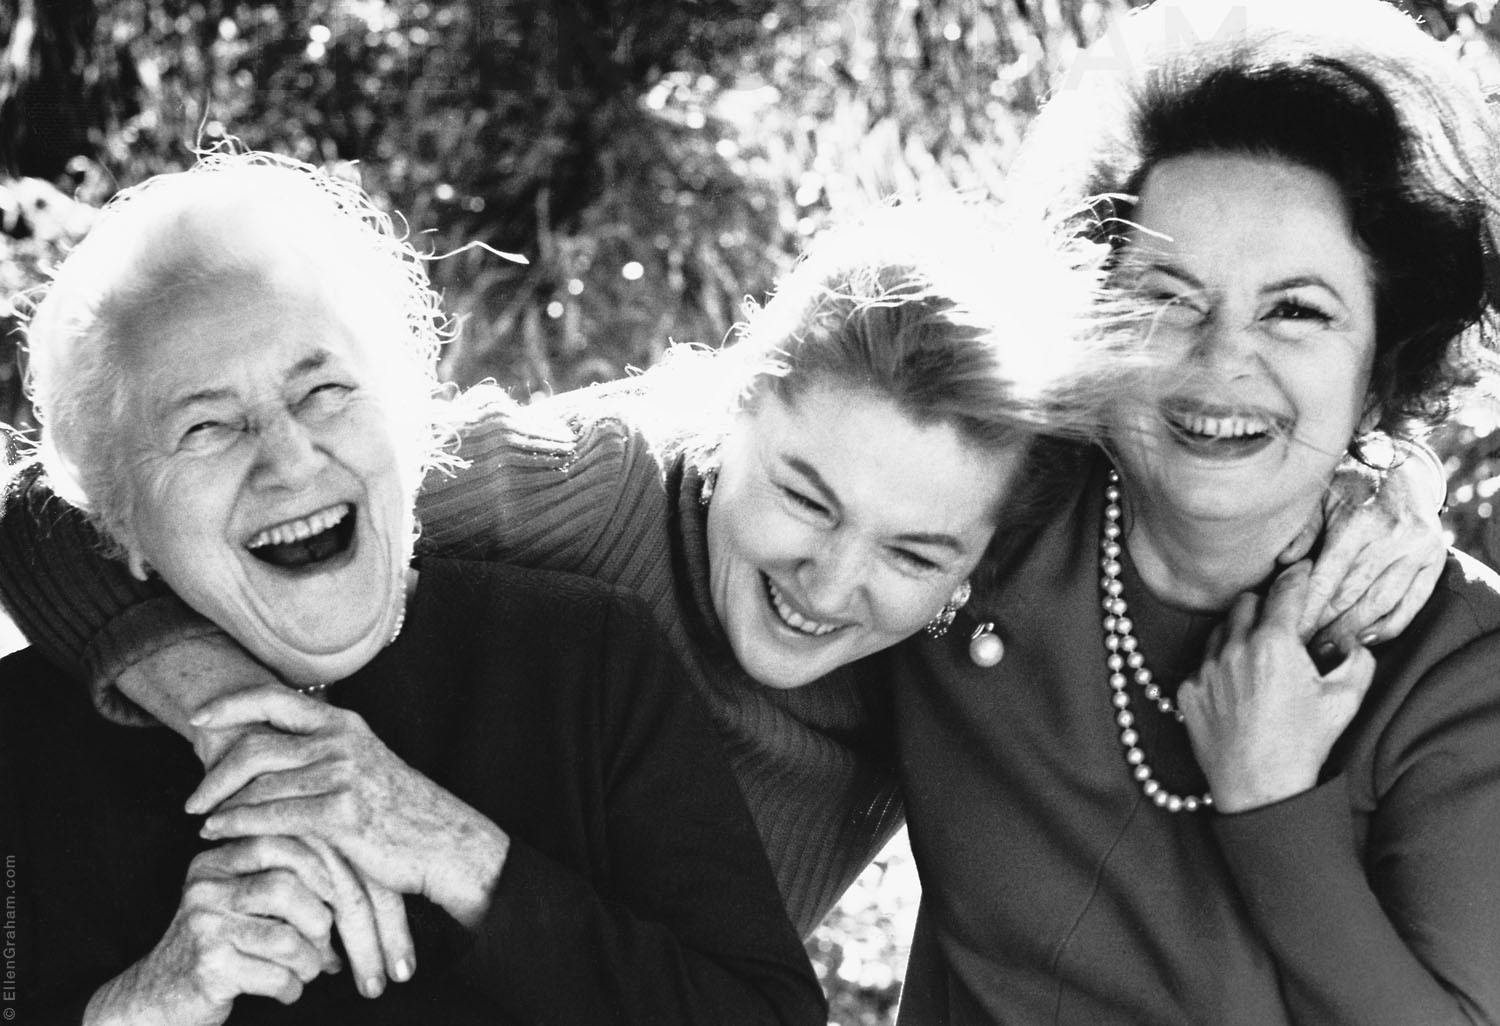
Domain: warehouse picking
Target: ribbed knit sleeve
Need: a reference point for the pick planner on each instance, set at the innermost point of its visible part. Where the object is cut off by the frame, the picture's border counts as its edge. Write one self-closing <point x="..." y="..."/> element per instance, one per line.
<point x="84" y="611"/>
<point x="537" y="490"/>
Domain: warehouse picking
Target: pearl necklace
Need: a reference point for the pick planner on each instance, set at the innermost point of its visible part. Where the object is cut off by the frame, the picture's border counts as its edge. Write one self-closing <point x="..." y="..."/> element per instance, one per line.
<point x="1124" y="653"/>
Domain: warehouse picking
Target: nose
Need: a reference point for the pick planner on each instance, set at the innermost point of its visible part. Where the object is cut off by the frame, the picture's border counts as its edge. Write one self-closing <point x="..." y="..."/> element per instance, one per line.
<point x="1223" y="344"/>
<point x="286" y="456"/>
<point x="832" y="578"/>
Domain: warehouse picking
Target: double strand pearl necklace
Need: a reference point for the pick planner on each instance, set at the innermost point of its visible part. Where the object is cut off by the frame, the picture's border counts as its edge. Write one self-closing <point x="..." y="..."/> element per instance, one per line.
<point x="1123" y="653"/>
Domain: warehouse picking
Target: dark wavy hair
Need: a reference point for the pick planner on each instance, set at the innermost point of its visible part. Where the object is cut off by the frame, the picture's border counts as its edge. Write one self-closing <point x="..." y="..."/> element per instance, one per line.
<point x="1349" y="88"/>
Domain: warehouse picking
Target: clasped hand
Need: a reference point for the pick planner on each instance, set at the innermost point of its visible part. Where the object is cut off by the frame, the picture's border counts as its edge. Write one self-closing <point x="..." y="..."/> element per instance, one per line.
<point x="320" y="775"/>
<point x="1261" y="718"/>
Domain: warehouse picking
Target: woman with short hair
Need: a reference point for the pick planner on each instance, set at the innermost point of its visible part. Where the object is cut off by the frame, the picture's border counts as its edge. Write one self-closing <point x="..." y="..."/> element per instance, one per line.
<point x="235" y="370"/>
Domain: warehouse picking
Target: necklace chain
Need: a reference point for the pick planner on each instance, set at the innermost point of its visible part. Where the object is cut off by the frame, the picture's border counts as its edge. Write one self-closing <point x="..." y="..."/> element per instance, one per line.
<point x="317" y="689"/>
<point x="1123" y="654"/>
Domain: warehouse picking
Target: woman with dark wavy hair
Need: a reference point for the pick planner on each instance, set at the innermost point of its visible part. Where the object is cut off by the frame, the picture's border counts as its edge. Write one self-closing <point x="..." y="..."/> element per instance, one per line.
<point x="1159" y="808"/>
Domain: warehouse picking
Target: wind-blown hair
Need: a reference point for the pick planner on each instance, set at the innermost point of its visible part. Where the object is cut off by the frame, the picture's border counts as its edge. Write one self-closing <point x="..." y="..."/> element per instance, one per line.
<point x="942" y="307"/>
<point x="1349" y="88"/>
<point x="233" y="215"/>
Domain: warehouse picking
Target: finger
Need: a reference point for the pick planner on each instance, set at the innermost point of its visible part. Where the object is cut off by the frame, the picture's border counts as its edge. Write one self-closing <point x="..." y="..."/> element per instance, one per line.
<point x="248" y="974"/>
<point x="299" y="782"/>
<point x="211" y="745"/>
<point x="1189" y="694"/>
<point x="292" y="816"/>
<point x="1300" y="546"/>
<point x="280" y="894"/>
<point x="250" y="757"/>
<point x="1386" y="611"/>
<point x="1338" y="579"/>
<point x="276" y="942"/>
<point x="281" y="707"/>
<point x="1354" y="674"/>
<point x="1241" y="618"/>
<point x="354" y="916"/>
<point x="1287" y="598"/>
<point x="1385" y="595"/>
<point x="395" y="934"/>
<point x="259" y="854"/>
<point x="258" y="857"/>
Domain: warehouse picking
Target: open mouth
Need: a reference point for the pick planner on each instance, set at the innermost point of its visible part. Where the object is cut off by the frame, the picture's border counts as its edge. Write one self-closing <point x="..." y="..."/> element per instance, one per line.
<point x="793" y="619"/>
<point x="306" y="541"/>
<point x="1220" y="430"/>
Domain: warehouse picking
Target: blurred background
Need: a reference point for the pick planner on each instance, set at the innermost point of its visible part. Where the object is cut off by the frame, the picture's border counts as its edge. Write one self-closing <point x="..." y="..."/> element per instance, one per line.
<point x="656" y="161"/>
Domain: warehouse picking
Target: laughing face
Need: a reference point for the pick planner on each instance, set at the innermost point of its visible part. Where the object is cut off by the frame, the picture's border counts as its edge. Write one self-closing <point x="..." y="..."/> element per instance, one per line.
<point x="263" y="480"/>
<point x="1267" y="325"/>
<point x="839" y="526"/>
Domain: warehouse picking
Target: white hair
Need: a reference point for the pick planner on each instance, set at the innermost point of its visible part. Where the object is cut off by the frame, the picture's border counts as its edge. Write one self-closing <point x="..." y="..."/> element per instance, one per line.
<point x="232" y="214"/>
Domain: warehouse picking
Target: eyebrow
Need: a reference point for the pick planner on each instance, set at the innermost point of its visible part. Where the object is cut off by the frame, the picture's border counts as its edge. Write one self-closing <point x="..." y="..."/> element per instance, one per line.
<point x="304" y="366"/>
<point x="1296" y="281"/>
<point x="808" y="471"/>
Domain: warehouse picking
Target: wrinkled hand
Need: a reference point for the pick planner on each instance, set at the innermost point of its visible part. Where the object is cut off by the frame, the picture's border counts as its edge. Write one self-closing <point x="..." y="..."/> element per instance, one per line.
<point x="1262" y="720"/>
<point x="1382" y="553"/>
<point x="254" y="919"/>
<point x="327" y="776"/>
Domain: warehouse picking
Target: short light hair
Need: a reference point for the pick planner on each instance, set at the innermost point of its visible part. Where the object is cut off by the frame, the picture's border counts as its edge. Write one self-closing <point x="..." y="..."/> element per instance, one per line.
<point x="946" y="308"/>
<point x="231" y="214"/>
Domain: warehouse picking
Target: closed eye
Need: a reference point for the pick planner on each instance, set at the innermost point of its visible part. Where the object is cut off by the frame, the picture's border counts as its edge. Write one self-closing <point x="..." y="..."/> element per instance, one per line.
<point x="208" y="435"/>
<point x="915" y="561"/>
<point x="804" y="502"/>
<point x="325" y="398"/>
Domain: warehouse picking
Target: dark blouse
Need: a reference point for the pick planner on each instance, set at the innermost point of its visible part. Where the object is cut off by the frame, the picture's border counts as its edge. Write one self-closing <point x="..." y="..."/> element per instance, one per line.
<point x="635" y="890"/>
<point x="1055" y="892"/>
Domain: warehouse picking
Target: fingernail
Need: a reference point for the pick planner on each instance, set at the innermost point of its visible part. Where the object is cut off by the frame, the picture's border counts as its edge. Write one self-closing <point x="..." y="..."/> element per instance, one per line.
<point x="1369" y="638"/>
<point x="403" y="970"/>
<point x="210" y="828"/>
<point x="372" y="986"/>
<point x="1327" y="648"/>
<point x="200" y="718"/>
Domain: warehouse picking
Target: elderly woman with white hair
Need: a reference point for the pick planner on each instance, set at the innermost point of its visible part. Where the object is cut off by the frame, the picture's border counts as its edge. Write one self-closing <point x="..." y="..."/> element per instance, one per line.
<point x="235" y="370"/>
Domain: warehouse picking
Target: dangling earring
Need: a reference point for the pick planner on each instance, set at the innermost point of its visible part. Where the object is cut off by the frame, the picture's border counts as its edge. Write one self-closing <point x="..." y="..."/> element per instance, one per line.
<point x="939" y="624"/>
<point x="985" y="647"/>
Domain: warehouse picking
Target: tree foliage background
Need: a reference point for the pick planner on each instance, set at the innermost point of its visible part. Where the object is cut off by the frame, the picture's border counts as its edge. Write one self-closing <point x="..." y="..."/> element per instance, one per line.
<point x="656" y="160"/>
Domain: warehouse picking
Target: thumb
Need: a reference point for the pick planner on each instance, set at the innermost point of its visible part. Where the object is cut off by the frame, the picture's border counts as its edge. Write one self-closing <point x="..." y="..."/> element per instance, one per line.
<point x="273" y="704"/>
<point x="1354" y="674"/>
<point x="1288" y="598"/>
<point x="1302" y="544"/>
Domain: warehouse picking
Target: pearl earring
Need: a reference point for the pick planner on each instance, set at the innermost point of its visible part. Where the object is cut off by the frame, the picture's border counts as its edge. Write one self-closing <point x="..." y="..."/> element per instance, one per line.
<point x="985" y="647"/>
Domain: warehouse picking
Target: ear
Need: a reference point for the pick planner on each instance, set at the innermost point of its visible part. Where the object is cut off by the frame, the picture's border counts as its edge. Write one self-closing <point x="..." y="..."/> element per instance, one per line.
<point x="118" y="526"/>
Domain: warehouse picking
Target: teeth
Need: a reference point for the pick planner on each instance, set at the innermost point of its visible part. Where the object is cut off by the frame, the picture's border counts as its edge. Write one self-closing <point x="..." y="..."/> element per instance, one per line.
<point x="305" y="527"/>
<point x="795" y="620"/>
<point x="1224" y="427"/>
